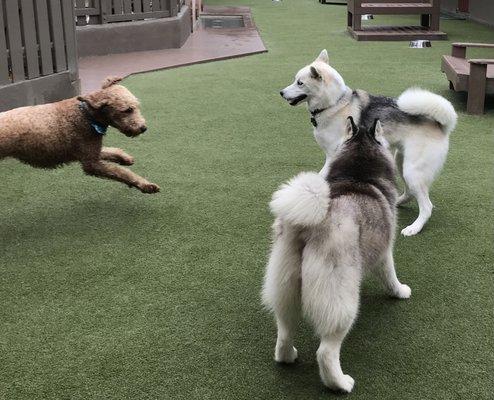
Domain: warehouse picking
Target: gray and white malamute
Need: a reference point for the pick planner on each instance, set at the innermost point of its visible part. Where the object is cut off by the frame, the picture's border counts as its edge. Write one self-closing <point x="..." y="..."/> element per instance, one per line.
<point x="417" y="126"/>
<point x="328" y="232"/>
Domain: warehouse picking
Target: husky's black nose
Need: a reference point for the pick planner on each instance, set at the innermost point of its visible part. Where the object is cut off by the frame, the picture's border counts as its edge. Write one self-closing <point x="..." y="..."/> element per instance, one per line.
<point x="281" y="93"/>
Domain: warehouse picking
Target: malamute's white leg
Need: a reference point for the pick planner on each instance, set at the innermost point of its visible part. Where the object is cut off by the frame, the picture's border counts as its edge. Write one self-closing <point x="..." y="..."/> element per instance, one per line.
<point x="281" y="290"/>
<point x="422" y="162"/>
<point x="328" y="358"/>
<point x="387" y="275"/>
<point x="421" y="193"/>
<point x="330" y="297"/>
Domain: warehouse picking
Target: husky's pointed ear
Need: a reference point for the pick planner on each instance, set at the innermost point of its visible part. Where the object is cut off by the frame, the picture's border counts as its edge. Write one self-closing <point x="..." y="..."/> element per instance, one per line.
<point x="378" y="131"/>
<point x="314" y="73"/>
<point x="351" y="128"/>
<point x="323" y="56"/>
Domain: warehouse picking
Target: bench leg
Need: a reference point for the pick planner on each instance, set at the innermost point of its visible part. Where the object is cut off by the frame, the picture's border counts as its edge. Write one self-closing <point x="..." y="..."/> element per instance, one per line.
<point x="355" y="21"/>
<point x="434" y="22"/>
<point x="476" y="89"/>
<point x="425" y="20"/>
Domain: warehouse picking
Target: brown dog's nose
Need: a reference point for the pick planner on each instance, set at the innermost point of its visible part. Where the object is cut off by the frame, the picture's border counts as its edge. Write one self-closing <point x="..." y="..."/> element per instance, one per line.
<point x="144" y="128"/>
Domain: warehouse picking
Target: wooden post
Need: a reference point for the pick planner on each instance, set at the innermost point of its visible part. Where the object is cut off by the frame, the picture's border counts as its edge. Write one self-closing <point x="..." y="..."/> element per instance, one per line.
<point x="174" y="8"/>
<point x="459" y="51"/>
<point x="105" y="7"/>
<point x="476" y="88"/>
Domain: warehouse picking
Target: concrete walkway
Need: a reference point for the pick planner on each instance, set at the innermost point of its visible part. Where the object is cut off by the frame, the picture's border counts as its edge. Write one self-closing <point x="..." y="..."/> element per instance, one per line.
<point x="203" y="45"/>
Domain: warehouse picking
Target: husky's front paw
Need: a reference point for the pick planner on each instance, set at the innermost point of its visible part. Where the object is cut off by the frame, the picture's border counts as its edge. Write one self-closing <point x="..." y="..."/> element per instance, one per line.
<point x="344" y="384"/>
<point x="411" y="230"/>
<point x="285" y="354"/>
<point x="402" y="292"/>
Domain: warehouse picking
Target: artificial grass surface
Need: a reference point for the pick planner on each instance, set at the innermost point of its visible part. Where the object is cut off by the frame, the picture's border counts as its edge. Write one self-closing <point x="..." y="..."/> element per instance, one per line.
<point x="107" y="293"/>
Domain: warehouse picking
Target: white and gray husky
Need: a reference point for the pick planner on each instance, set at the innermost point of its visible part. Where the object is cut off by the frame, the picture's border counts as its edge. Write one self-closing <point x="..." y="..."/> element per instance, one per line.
<point x="417" y="126"/>
<point x="328" y="232"/>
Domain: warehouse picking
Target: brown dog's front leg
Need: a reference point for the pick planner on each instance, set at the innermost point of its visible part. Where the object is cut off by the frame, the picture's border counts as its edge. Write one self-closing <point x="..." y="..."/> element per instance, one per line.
<point x="108" y="170"/>
<point x="117" y="155"/>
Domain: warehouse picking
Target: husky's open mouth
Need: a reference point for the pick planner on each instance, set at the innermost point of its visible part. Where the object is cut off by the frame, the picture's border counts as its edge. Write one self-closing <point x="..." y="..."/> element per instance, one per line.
<point x="296" y="100"/>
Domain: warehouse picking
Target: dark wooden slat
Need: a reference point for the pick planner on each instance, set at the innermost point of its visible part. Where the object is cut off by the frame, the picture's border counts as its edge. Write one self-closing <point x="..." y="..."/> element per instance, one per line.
<point x="70" y="39"/>
<point x="4" y="66"/>
<point x="136" y="17"/>
<point x="30" y="39"/>
<point x="81" y="15"/>
<point x="173" y="8"/>
<point x="117" y="7"/>
<point x="137" y="6"/>
<point x="156" y="5"/>
<point x="44" y="37"/>
<point x="127" y="6"/>
<point x="15" y="40"/>
<point x="58" y="36"/>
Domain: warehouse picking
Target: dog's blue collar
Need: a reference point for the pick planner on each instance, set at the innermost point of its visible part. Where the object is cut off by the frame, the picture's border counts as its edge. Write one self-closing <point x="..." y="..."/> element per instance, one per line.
<point x="96" y="127"/>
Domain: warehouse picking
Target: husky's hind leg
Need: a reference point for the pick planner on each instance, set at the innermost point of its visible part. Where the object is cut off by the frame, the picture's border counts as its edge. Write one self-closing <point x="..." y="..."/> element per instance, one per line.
<point x="422" y="162"/>
<point x="406" y="195"/>
<point x="387" y="275"/>
<point x="420" y="190"/>
<point x="330" y="297"/>
<point x="281" y="290"/>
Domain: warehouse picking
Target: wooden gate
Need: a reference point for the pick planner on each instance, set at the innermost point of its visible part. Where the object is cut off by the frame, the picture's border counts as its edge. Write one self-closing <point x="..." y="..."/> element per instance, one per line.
<point x="38" y="53"/>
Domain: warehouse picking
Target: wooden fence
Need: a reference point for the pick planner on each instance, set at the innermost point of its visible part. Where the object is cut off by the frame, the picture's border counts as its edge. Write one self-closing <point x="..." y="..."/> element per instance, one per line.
<point x="37" y="38"/>
<point x="38" y="53"/>
<point x="92" y="12"/>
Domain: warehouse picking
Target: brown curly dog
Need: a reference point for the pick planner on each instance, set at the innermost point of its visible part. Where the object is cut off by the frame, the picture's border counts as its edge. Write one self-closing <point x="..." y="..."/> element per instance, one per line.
<point x="50" y="135"/>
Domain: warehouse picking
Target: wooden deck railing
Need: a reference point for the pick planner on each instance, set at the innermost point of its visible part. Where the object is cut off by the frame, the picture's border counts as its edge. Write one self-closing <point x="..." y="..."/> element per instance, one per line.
<point x="37" y="39"/>
<point x="92" y="12"/>
<point x="38" y="52"/>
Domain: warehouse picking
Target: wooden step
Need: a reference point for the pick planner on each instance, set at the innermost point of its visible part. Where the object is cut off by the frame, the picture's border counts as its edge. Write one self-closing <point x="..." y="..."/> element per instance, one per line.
<point x="396" y="8"/>
<point x="396" y="33"/>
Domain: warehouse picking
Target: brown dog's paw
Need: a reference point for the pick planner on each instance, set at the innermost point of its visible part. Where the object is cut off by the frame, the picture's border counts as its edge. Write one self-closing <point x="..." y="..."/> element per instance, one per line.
<point x="128" y="160"/>
<point x="149" y="188"/>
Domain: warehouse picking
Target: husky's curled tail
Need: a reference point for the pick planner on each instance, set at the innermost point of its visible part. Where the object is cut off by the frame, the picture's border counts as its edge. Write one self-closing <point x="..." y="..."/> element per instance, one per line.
<point x="303" y="201"/>
<point x="418" y="101"/>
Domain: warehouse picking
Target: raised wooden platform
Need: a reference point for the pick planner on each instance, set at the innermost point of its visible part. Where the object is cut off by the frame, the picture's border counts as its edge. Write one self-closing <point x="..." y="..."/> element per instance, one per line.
<point x="396" y="8"/>
<point x="428" y="10"/>
<point x="391" y="33"/>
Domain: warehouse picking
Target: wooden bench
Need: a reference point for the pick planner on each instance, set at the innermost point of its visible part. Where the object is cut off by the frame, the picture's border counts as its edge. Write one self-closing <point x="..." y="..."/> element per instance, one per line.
<point x="475" y="76"/>
<point x="429" y="12"/>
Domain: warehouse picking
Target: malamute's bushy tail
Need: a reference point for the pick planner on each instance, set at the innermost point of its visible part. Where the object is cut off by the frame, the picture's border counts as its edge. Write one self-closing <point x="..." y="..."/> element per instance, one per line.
<point x="303" y="200"/>
<point x="418" y="101"/>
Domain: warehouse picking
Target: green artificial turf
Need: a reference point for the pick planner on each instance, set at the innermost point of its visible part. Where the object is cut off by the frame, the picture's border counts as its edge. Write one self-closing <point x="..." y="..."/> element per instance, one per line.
<point x="106" y="293"/>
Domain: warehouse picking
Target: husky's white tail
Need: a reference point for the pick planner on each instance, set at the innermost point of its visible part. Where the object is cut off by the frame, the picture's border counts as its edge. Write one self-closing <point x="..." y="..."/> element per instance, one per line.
<point x="418" y="101"/>
<point x="303" y="200"/>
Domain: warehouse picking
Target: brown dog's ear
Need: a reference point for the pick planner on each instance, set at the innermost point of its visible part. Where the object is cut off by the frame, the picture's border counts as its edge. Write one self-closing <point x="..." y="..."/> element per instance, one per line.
<point x="94" y="100"/>
<point x="110" y="81"/>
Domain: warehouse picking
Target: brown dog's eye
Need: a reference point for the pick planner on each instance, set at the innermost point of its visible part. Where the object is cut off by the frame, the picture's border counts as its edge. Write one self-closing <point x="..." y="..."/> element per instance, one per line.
<point x="129" y="110"/>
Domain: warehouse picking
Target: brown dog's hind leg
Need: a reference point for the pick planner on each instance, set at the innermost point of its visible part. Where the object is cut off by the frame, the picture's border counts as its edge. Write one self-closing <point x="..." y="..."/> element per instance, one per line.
<point x="116" y="155"/>
<point x="108" y="170"/>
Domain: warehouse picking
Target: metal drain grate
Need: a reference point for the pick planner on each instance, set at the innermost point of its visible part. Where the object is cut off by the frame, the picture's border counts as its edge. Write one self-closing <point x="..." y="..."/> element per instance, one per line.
<point x="222" y="21"/>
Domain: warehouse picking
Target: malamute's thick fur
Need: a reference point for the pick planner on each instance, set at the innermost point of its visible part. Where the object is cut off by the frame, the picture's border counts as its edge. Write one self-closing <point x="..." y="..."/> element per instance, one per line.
<point x="416" y="125"/>
<point x="327" y="234"/>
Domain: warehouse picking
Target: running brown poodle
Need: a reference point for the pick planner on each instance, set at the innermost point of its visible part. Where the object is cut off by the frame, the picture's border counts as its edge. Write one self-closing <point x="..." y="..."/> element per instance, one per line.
<point x="50" y="135"/>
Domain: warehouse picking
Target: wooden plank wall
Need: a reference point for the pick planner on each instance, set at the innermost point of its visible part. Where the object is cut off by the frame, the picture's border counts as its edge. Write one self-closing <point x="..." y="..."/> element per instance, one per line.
<point x="37" y="38"/>
<point x="90" y="12"/>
